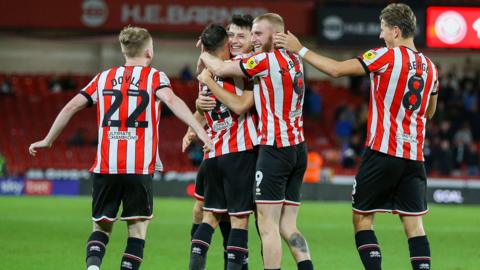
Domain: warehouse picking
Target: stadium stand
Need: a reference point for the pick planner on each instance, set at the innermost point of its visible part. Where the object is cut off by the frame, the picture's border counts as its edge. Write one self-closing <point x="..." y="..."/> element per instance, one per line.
<point x="35" y="107"/>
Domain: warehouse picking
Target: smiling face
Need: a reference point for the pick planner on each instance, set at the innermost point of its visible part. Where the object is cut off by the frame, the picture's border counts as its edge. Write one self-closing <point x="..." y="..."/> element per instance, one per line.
<point x="240" y="39"/>
<point x="262" y="34"/>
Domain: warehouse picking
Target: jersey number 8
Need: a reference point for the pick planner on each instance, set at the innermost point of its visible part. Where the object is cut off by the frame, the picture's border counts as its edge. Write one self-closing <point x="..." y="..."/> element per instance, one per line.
<point x="413" y="98"/>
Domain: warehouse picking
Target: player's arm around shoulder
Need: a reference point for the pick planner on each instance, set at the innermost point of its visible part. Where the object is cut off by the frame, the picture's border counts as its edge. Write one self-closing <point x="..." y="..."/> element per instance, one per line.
<point x="76" y="104"/>
<point x="221" y="68"/>
<point x="329" y="66"/>
<point x="238" y="104"/>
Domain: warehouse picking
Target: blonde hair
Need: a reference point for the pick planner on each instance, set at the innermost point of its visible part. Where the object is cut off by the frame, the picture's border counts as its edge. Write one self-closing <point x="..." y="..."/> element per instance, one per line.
<point x="274" y="19"/>
<point x="133" y="40"/>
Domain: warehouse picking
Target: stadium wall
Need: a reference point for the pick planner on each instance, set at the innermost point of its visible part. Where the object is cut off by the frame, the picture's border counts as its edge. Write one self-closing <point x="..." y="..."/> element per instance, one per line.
<point x="90" y="55"/>
<point x="172" y="184"/>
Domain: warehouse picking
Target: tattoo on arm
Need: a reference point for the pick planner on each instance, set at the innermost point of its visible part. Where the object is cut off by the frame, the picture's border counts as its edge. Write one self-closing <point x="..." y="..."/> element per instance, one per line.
<point x="296" y="240"/>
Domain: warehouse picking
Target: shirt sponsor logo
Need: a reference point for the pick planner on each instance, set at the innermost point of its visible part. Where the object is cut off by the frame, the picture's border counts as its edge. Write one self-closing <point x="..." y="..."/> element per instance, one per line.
<point x="295" y="114"/>
<point x="406" y="138"/>
<point x="219" y="126"/>
<point x="122" y="135"/>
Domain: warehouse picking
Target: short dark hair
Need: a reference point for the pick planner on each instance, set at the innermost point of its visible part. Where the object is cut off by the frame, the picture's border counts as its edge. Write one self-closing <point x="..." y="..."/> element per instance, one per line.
<point x="242" y="21"/>
<point x="402" y="16"/>
<point x="213" y="37"/>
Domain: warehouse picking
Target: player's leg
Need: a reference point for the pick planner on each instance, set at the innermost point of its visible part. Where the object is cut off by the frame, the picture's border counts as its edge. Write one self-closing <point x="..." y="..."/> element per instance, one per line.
<point x="214" y="208"/>
<point x="199" y="196"/>
<point x="294" y="238"/>
<point x="288" y="223"/>
<point x="274" y="166"/>
<point x="373" y="191"/>
<point x="239" y="172"/>
<point x="137" y="211"/>
<point x="418" y="243"/>
<point x="202" y="238"/>
<point x="366" y="241"/>
<point x="106" y="199"/>
<point x="133" y="255"/>
<point x="225" y="228"/>
<point x="237" y="246"/>
<point x="412" y="204"/>
<point x="97" y="244"/>
<point x="269" y="226"/>
<point x="197" y="212"/>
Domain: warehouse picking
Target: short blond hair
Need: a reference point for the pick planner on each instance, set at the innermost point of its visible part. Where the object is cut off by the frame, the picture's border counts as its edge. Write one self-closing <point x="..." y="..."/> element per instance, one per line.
<point x="274" y="19"/>
<point x="133" y="40"/>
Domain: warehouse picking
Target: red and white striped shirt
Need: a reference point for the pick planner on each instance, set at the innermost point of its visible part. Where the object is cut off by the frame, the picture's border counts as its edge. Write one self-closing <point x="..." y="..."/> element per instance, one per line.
<point x="230" y="133"/>
<point x="279" y="93"/>
<point x="402" y="81"/>
<point x="128" y="115"/>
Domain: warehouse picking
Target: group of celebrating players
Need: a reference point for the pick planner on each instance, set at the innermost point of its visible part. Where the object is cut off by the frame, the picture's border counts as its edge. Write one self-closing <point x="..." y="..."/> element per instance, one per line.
<point x="251" y="92"/>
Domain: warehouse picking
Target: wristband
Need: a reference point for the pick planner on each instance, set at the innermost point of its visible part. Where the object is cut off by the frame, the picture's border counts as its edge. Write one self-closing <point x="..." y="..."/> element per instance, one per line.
<point x="303" y="51"/>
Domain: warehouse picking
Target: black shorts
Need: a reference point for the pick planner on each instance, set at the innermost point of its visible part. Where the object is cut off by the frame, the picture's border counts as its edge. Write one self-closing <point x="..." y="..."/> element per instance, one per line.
<point x="200" y="183"/>
<point x="279" y="174"/>
<point x="134" y="191"/>
<point x="229" y="182"/>
<point x="386" y="183"/>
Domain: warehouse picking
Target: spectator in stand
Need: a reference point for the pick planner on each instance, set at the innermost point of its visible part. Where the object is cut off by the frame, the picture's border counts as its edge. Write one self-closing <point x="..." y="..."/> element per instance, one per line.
<point x="459" y="155"/>
<point x="195" y="153"/>
<point x="186" y="74"/>
<point x="474" y="120"/>
<point x="344" y="125"/>
<point x="472" y="160"/>
<point x="54" y="85"/>
<point x="427" y="153"/>
<point x="79" y="138"/>
<point x="445" y="157"/>
<point x="463" y="135"/>
<point x="6" y="88"/>
<point x="67" y="83"/>
<point x="446" y="132"/>
<point x="313" y="102"/>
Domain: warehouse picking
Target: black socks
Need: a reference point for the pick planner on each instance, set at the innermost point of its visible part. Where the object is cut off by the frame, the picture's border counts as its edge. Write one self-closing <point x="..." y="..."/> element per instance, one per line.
<point x="369" y="250"/>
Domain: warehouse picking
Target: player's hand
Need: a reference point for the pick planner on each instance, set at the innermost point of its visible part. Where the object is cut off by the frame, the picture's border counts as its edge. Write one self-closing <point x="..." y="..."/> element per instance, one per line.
<point x="40" y="144"/>
<point x="188" y="139"/>
<point x="287" y="41"/>
<point x="205" y="103"/>
<point x="208" y="146"/>
<point x="205" y="75"/>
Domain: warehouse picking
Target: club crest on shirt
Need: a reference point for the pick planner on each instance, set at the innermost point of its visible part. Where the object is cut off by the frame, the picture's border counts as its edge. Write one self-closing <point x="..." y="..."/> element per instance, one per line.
<point x="369" y="55"/>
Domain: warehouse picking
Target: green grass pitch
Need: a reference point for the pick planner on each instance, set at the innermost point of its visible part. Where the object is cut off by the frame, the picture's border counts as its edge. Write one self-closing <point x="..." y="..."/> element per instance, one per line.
<point x="50" y="233"/>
